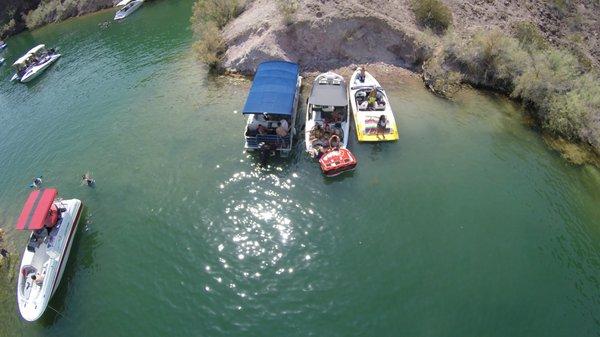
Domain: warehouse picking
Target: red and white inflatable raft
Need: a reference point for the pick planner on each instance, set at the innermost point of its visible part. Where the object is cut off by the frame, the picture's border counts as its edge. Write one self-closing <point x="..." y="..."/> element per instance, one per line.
<point x="337" y="160"/>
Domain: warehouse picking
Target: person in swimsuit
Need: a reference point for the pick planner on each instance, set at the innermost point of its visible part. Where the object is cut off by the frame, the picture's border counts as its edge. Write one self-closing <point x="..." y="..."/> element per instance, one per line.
<point x="381" y="126"/>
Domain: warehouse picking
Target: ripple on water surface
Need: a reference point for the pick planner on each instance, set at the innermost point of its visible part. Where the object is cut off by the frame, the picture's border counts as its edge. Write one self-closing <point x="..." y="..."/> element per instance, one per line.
<point x="262" y="244"/>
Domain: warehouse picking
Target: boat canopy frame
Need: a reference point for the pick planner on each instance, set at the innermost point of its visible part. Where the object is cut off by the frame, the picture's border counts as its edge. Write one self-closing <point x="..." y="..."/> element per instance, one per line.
<point x="36" y="209"/>
<point x="29" y="54"/>
<point x="329" y="93"/>
<point x="274" y="89"/>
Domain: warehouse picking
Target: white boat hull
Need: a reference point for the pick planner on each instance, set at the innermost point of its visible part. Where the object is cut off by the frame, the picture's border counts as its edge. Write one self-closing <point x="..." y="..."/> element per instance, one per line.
<point x="313" y="119"/>
<point x="37" y="70"/>
<point x="48" y="258"/>
<point x="126" y="11"/>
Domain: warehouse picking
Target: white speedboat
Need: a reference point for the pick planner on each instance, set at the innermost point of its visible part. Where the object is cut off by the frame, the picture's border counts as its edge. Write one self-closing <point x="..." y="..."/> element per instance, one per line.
<point x="123" y="3"/>
<point x="33" y="63"/>
<point x="2" y="45"/>
<point x="129" y="8"/>
<point x="373" y="115"/>
<point x="1" y="60"/>
<point x="327" y="113"/>
<point x="53" y="224"/>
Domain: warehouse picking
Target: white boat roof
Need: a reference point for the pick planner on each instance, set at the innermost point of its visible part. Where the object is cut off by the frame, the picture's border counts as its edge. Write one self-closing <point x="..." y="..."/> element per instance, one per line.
<point x="27" y="55"/>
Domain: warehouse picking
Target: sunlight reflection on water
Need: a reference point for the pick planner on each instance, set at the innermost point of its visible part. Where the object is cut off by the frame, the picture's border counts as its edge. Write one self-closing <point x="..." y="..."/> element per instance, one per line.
<point x="263" y="234"/>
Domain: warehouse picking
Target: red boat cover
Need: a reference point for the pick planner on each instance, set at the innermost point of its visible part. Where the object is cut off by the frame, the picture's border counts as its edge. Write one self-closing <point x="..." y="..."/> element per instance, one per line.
<point x="36" y="209"/>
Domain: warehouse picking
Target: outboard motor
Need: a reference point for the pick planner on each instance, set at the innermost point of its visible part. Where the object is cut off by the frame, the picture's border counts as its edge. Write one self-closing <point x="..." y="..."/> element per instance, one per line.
<point x="265" y="151"/>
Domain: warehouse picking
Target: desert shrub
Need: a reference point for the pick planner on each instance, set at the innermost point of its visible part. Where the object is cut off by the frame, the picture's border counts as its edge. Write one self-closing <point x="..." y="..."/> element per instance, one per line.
<point x="529" y="35"/>
<point x="440" y="80"/>
<point x="559" y="89"/>
<point x="220" y="12"/>
<point x="576" y="113"/>
<point x="550" y="74"/>
<point x="211" y="45"/>
<point x="561" y="7"/>
<point x="433" y="14"/>
<point x="208" y="18"/>
<point x="492" y="59"/>
<point x="7" y="27"/>
<point x="288" y="9"/>
<point x="56" y="10"/>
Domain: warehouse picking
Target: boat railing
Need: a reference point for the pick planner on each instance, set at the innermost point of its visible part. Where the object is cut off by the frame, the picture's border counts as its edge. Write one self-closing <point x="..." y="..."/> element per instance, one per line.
<point x="278" y="141"/>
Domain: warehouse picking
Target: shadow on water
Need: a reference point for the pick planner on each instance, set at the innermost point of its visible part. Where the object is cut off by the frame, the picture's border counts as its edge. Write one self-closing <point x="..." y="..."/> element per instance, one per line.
<point x="80" y="259"/>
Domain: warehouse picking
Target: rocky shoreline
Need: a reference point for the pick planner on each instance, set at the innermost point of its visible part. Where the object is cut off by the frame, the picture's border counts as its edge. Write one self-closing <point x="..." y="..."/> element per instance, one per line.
<point x="336" y="34"/>
<point x="21" y="15"/>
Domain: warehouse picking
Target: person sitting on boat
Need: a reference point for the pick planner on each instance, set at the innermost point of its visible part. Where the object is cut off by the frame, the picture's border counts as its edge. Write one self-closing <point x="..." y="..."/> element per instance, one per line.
<point x="285" y="124"/>
<point x="39" y="235"/>
<point x="372" y="99"/>
<point x="381" y="126"/>
<point x="336" y="117"/>
<point x="361" y="75"/>
<point x="262" y="130"/>
<point x="38" y="279"/>
<point x="281" y="131"/>
<point x="316" y="133"/>
<point x="256" y="122"/>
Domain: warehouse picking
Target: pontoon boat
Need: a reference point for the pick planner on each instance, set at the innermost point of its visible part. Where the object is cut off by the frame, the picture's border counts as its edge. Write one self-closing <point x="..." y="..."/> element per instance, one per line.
<point x="129" y="8"/>
<point x="271" y="107"/>
<point x="53" y="224"/>
<point x="373" y="115"/>
<point x="33" y="63"/>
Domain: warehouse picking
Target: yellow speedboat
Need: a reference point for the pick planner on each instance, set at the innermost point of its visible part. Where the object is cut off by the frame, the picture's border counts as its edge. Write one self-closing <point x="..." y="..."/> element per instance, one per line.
<point x="373" y="115"/>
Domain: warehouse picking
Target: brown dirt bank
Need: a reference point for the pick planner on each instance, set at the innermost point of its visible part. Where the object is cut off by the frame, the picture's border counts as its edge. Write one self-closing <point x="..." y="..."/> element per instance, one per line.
<point x="324" y="34"/>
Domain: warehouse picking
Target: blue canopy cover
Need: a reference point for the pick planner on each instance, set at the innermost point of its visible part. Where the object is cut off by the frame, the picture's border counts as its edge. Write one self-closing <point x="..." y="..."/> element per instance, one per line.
<point x="273" y="89"/>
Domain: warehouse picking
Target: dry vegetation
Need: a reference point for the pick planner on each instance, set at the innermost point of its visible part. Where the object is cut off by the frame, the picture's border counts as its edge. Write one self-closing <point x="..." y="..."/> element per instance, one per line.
<point x="208" y="18"/>
<point x="564" y="96"/>
<point x="432" y="14"/>
<point x="57" y="10"/>
<point x="288" y="8"/>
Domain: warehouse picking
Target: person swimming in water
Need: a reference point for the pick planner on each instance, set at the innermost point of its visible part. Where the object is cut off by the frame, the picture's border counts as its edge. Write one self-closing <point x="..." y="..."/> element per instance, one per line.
<point x="36" y="182"/>
<point x="87" y="179"/>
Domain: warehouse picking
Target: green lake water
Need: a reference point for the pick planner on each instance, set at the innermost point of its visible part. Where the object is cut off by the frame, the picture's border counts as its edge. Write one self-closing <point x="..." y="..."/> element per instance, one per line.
<point x="467" y="226"/>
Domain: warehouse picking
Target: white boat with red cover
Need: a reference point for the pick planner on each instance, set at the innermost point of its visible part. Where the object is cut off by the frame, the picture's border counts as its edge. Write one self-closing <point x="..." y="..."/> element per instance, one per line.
<point x="53" y="224"/>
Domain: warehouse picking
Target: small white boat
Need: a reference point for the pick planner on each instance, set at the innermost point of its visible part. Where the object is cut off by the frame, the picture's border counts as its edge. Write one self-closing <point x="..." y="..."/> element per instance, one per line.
<point x="123" y="3"/>
<point x="373" y="115"/>
<point x="2" y="45"/>
<point x="327" y="113"/>
<point x="129" y="8"/>
<point x="53" y="224"/>
<point x="33" y="63"/>
<point x="1" y="60"/>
